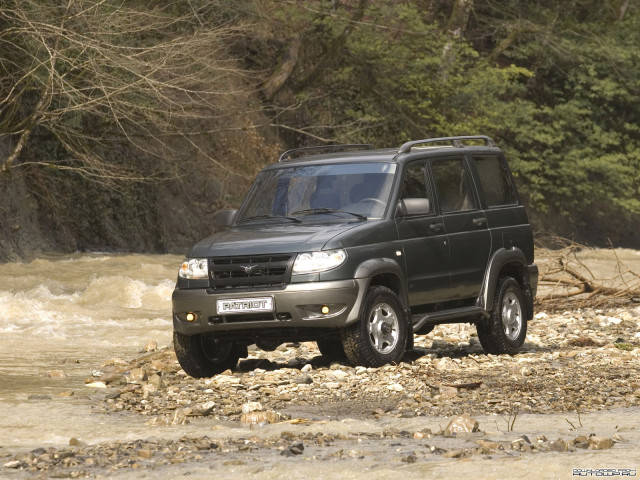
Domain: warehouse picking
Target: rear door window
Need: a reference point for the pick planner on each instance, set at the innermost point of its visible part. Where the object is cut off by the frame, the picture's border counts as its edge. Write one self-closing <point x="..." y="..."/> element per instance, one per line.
<point x="455" y="192"/>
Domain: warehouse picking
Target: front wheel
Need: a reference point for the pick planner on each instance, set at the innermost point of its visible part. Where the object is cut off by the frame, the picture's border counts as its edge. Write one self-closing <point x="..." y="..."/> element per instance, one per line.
<point x="204" y="355"/>
<point x="506" y="329"/>
<point x="380" y="335"/>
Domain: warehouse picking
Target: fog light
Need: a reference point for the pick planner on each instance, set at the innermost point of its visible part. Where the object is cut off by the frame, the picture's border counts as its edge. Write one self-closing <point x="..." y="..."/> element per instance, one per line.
<point x="325" y="310"/>
<point x="191" y="317"/>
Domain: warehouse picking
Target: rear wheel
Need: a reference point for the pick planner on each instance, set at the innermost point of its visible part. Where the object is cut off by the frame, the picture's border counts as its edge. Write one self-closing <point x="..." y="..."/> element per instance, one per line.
<point x="204" y="355"/>
<point x="380" y="335"/>
<point x="506" y="329"/>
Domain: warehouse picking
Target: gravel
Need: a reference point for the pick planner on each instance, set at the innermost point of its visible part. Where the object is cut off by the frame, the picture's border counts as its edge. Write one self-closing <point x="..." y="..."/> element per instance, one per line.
<point x="577" y="361"/>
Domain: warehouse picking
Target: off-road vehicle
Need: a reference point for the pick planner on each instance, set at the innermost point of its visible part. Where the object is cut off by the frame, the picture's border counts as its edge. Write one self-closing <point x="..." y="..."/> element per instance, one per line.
<point x="358" y="250"/>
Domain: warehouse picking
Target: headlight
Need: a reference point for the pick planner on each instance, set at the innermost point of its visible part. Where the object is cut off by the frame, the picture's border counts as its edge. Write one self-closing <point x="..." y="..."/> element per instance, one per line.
<point x="314" y="262"/>
<point x="194" y="268"/>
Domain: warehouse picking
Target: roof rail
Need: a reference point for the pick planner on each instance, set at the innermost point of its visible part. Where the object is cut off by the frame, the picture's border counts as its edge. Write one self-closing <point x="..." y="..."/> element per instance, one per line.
<point x="304" y="151"/>
<point x="455" y="142"/>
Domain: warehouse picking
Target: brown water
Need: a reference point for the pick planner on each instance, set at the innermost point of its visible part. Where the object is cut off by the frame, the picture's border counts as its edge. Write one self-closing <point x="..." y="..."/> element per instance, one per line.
<point x="72" y="313"/>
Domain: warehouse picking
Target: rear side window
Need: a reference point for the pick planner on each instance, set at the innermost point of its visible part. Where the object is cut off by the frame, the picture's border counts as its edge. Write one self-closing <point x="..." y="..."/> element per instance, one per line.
<point x="495" y="181"/>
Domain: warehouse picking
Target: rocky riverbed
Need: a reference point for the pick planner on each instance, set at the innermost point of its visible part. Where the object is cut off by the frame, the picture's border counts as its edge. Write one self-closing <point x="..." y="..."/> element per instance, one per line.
<point x="293" y="403"/>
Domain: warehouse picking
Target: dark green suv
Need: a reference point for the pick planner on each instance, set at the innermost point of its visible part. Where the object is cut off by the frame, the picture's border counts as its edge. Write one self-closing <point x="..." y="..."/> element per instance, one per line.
<point x="358" y="250"/>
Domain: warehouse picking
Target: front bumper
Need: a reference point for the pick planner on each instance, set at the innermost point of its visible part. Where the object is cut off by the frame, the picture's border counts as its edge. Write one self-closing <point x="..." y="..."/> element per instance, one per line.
<point x="298" y="305"/>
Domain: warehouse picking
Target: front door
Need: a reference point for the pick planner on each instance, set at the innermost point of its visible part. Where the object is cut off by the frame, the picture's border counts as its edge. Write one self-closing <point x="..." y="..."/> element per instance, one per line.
<point x="424" y="241"/>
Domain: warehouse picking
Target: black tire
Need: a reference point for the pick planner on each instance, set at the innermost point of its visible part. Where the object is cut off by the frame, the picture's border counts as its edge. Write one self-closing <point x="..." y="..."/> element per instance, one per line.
<point x="506" y="329"/>
<point x="203" y="356"/>
<point x="381" y="334"/>
<point x="331" y="347"/>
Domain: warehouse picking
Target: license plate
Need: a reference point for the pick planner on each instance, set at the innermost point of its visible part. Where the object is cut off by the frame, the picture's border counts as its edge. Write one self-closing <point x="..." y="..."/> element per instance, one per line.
<point x="245" y="305"/>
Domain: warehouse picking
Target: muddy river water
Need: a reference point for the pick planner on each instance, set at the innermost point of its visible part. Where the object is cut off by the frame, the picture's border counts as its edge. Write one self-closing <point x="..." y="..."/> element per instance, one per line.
<point x="61" y="317"/>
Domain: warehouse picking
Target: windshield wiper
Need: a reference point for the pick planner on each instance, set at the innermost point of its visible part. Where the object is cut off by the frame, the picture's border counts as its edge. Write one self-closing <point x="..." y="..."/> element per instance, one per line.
<point x="318" y="211"/>
<point x="260" y="217"/>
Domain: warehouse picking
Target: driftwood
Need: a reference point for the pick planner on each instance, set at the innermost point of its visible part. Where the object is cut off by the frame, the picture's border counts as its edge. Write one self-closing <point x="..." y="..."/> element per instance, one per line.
<point x="576" y="276"/>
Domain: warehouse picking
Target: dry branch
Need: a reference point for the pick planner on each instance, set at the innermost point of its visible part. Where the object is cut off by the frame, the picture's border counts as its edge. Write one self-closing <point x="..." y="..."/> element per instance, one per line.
<point x="576" y="276"/>
<point x="110" y="75"/>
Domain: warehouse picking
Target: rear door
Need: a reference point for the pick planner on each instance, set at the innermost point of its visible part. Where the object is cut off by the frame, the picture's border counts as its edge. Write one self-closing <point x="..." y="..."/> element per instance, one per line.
<point x="465" y="223"/>
<point x="424" y="241"/>
<point x="507" y="218"/>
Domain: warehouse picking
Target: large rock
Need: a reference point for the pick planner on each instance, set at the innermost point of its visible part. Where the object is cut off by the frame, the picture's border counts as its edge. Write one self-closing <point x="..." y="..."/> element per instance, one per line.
<point x="600" y="443"/>
<point x="462" y="424"/>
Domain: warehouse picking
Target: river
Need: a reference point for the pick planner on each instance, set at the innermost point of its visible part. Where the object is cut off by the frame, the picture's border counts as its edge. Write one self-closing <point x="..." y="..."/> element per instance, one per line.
<point x="66" y="315"/>
<point x="70" y="314"/>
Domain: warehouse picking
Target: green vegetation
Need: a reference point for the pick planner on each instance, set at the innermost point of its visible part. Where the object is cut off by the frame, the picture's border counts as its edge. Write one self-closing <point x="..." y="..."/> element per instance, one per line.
<point x="120" y="92"/>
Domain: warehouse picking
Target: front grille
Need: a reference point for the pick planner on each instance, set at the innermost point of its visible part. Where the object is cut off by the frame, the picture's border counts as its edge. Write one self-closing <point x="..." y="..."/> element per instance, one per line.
<point x="260" y="271"/>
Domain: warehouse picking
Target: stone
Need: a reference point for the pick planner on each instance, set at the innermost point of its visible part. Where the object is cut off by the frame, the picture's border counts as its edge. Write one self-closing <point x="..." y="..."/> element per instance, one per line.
<point x="155" y="380"/>
<point x="490" y="446"/>
<point x="600" y="443"/>
<point x="96" y="385"/>
<point x="297" y="448"/>
<point x="558" y="445"/>
<point x="581" y="441"/>
<point x="338" y="374"/>
<point x="56" y="374"/>
<point x="137" y="375"/>
<point x="115" y="362"/>
<point x="147" y="390"/>
<point x="462" y="424"/>
<point x="445" y="363"/>
<point x="151" y="346"/>
<point x="251" y="407"/>
<point x="113" y="379"/>
<point x="303" y="380"/>
<point x="179" y="417"/>
<point x="260" y="417"/>
<point x="454" y="454"/>
<point x="448" y="391"/>
<point x="145" y="453"/>
<point x="74" y="442"/>
<point x="204" y="409"/>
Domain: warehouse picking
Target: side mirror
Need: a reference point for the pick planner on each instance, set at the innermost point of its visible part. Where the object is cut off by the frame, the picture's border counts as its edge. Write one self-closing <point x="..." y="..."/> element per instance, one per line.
<point x="413" y="206"/>
<point x="225" y="218"/>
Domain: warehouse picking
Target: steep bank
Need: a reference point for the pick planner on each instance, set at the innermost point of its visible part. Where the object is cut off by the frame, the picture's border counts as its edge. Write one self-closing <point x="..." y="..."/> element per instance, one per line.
<point x="67" y="215"/>
<point x="47" y="210"/>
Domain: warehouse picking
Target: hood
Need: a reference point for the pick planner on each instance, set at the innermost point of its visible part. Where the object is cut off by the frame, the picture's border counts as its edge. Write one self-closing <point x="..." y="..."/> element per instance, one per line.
<point x="269" y="238"/>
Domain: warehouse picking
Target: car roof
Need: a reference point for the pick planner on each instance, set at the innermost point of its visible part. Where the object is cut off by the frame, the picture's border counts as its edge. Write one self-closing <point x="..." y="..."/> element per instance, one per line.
<point x="386" y="155"/>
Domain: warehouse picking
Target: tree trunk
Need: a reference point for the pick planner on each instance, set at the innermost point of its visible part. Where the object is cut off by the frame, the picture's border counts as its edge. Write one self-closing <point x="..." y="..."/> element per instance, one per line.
<point x="335" y="48"/>
<point x="284" y="71"/>
<point x="455" y="27"/>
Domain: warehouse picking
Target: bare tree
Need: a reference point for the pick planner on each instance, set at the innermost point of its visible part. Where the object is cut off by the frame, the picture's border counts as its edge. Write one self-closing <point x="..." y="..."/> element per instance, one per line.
<point x="106" y="75"/>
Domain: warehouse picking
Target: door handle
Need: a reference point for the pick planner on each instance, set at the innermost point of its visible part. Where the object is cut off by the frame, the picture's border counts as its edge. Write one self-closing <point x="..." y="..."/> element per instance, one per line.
<point x="480" y="222"/>
<point x="436" y="227"/>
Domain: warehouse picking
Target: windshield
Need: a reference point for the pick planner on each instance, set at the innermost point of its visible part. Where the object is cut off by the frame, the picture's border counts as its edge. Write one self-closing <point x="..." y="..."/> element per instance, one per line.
<point x="351" y="191"/>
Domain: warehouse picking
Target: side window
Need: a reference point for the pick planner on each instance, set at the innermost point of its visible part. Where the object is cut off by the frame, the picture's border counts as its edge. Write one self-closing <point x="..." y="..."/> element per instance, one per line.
<point x="495" y="181"/>
<point x="452" y="182"/>
<point x="415" y="181"/>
